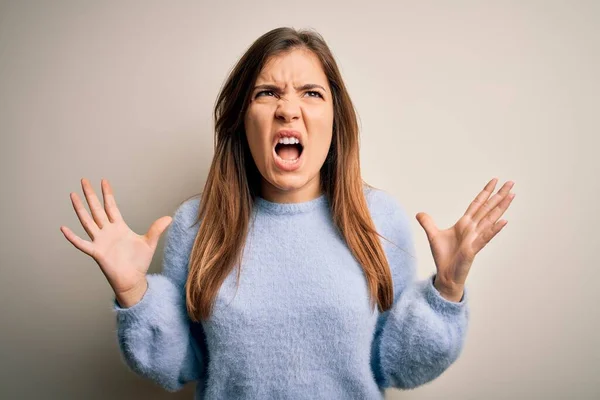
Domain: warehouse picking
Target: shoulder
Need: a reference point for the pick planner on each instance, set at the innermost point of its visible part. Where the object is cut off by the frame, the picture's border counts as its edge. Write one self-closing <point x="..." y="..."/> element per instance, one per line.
<point x="180" y="238"/>
<point x="381" y="202"/>
<point x="393" y="223"/>
<point x="185" y="215"/>
<point x="389" y="216"/>
<point x="383" y="206"/>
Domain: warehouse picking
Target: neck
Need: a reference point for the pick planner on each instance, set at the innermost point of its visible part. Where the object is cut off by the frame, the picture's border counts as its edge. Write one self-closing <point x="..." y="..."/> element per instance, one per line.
<point x="310" y="191"/>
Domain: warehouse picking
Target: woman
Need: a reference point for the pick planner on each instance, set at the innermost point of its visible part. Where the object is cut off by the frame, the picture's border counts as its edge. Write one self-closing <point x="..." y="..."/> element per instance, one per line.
<point x="320" y="307"/>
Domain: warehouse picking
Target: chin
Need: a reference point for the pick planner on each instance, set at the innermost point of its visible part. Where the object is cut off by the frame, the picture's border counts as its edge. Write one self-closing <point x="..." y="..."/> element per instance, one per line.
<point x="289" y="182"/>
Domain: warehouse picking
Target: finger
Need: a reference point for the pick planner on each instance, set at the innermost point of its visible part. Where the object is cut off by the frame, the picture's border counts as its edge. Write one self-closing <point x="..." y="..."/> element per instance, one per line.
<point x="493" y="201"/>
<point x="110" y="205"/>
<point x="428" y="225"/>
<point x="493" y="216"/>
<point x="83" y="245"/>
<point x="94" y="204"/>
<point x="481" y="197"/>
<point x="485" y="238"/>
<point x="86" y="221"/>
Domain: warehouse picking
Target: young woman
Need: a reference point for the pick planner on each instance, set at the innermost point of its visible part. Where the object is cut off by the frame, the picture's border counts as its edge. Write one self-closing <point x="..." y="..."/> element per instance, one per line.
<point x="289" y="277"/>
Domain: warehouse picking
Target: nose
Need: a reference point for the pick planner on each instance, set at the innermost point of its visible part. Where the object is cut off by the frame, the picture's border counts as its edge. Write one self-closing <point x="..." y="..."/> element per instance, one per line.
<point x="287" y="110"/>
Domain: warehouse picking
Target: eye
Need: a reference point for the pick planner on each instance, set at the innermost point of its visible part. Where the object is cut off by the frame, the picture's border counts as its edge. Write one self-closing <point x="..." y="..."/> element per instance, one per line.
<point x="318" y="94"/>
<point x="314" y="91"/>
<point x="264" y="91"/>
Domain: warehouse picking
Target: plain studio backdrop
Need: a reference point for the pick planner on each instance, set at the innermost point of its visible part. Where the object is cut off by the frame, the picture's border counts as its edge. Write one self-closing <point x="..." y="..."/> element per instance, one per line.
<point x="449" y="95"/>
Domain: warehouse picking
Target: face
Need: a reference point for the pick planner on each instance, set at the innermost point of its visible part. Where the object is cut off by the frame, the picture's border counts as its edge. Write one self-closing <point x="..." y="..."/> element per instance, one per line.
<point x="291" y="94"/>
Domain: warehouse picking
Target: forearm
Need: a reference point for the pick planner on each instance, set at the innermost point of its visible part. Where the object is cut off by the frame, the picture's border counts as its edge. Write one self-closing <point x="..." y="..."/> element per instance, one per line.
<point x="422" y="336"/>
<point x="154" y="336"/>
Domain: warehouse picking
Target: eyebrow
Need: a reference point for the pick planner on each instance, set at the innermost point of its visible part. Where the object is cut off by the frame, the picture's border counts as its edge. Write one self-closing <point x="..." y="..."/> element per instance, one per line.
<point x="277" y="89"/>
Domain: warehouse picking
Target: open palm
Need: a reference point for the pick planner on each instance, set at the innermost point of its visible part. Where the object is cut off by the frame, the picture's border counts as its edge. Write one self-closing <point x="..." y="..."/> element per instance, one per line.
<point x="454" y="249"/>
<point x="123" y="256"/>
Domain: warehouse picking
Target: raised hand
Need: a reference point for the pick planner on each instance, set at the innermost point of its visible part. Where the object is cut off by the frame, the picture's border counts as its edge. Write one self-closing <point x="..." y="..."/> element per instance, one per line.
<point x="123" y="256"/>
<point x="454" y="249"/>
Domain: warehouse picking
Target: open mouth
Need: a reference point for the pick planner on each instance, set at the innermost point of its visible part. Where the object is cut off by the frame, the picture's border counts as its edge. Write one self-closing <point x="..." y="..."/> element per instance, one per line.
<point x="289" y="152"/>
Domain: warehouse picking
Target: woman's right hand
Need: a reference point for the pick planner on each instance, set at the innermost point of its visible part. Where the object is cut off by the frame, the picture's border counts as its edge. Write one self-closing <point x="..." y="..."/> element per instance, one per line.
<point x="123" y="256"/>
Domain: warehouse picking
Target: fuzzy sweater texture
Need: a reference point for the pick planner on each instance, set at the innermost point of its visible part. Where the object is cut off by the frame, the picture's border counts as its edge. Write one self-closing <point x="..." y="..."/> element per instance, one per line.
<point x="300" y="325"/>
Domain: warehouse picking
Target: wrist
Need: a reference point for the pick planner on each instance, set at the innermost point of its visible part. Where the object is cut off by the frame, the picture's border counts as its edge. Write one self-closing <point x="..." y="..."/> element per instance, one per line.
<point x="132" y="296"/>
<point x="449" y="291"/>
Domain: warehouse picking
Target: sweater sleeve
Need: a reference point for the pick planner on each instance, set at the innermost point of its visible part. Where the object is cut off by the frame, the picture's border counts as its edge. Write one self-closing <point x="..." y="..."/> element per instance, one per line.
<point x="154" y="335"/>
<point x="423" y="333"/>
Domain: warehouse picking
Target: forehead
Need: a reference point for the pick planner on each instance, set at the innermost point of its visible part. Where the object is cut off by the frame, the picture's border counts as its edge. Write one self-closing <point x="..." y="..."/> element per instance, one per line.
<point x="298" y="65"/>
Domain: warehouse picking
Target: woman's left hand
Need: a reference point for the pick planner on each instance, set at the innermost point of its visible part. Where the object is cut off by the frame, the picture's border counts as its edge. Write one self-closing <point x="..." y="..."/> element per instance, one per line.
<point x="454" y="249"/>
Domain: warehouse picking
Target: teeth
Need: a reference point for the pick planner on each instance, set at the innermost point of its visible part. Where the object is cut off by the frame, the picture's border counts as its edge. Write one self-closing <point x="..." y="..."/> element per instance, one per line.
<point x="290" y="140"/>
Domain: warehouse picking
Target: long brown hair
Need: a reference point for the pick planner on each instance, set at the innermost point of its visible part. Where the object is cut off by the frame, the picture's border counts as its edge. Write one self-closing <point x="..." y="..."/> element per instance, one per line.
<point x="233" y="180"/>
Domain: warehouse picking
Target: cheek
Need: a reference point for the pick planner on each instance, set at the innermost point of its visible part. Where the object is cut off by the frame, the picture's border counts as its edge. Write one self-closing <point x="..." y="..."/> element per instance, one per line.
<point x="323" y="146"/>
<point x="320" y="125"/>
<point x="257" y="129"/>
<point x="320" y="118"/>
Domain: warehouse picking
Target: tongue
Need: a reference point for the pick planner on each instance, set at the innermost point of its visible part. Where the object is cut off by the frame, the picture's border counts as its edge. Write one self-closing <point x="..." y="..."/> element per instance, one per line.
<point x="288" y="152"/>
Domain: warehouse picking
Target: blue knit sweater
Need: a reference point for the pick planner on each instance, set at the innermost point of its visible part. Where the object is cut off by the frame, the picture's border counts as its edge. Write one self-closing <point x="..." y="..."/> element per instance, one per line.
<point x="300" y="325"/>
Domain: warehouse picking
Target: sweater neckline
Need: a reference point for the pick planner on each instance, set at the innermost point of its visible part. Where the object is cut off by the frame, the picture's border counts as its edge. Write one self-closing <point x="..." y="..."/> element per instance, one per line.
<point x="291" y="208"/>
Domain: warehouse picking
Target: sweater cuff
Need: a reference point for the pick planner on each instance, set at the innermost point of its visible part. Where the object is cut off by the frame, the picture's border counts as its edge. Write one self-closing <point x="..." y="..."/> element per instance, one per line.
<point x="160" y="290"/>
<point x="440" y="303"/>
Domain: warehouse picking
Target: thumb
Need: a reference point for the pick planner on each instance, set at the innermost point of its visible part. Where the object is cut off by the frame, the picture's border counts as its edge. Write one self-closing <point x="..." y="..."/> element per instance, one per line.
<point x="428" y="225"/>
<point x="156" y="229"/>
